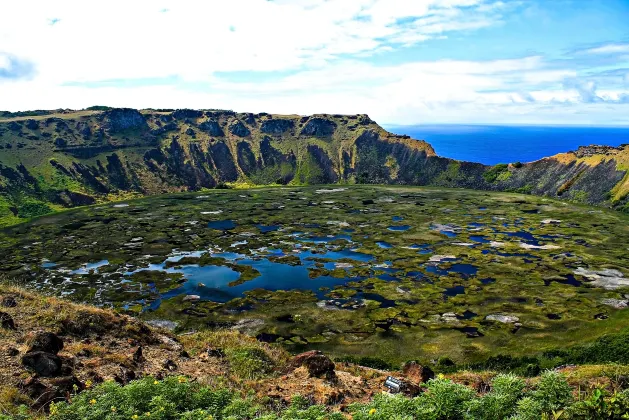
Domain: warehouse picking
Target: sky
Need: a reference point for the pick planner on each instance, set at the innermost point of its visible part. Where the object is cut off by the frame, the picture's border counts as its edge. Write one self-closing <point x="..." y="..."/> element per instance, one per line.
<point x="402" y="62"/>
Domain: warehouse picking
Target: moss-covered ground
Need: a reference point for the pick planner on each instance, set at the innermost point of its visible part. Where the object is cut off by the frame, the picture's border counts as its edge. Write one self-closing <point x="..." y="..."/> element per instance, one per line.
<point x="395" y="272"/>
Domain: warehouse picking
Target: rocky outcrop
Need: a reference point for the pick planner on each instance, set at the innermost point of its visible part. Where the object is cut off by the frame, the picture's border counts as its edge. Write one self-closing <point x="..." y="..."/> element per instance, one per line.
<point x="319" y="127"/>
<point x="121" y="119"/>
<point x="237" y="128"/>
<point x="587" y="151"/>
<point x="212" y="128"/>
<point x="317" y="364"/>
<point x="277" y="126"/>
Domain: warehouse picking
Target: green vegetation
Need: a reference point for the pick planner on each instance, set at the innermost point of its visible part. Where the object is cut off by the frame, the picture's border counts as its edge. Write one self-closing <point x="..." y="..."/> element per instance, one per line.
<point x="494" y="173"/>
<point x="510" y="397"/>
<point x="380" y="306"/>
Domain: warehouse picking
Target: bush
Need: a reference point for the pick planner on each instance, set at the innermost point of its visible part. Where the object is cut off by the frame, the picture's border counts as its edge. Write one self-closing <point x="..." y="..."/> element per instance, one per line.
<point x="249" y="362"/>
<point x="447" y="398"/>
<point x="500" y="403"/>
<point x="602" y="405"/>
<point x="553" y="392"/>
<point x="175" y="398"/>
<point x="32" y="209"/>
<point x="171" y="398"/>
<point x="492" y="174"/>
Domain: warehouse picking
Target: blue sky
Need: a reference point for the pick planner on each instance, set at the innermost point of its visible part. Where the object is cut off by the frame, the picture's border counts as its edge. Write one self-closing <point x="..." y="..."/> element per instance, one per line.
<point x="400" y="61"/>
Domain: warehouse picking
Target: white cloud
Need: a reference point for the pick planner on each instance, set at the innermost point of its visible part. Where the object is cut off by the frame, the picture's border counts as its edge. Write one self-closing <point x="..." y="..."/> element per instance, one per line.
<point x="315" y="50"/>
<point x="608" y="49"/>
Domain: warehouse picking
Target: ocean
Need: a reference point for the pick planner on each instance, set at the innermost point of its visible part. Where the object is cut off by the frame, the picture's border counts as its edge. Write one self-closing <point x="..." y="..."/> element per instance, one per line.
<point x="491" y="144"/>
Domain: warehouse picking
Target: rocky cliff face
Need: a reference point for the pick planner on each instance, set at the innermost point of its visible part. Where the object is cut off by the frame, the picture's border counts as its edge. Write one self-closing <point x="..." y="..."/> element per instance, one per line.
<point x="81" y="157"/>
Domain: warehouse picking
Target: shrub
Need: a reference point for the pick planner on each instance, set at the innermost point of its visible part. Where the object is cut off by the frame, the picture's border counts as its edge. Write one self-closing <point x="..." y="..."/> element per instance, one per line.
<point x="249" y="362"/>
<point x="491" y="175"/>
<point x="32" y="209"/>
<point x="553" y="392"/>
<point x="602" y="405"/>
<point x="498" y="404"/>
<point x="517" y="165"/>
<point x="174" y="397"/>
<point x="528" y="408"/>
<point x="446" y="397"/>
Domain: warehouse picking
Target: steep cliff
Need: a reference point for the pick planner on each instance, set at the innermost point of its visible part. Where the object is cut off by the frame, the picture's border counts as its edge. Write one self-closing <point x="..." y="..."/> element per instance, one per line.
<point x="64" y="158"/>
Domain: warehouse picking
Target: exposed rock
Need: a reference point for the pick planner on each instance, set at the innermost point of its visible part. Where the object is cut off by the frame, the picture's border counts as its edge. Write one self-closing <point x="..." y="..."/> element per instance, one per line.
<point x="170" y="365"/>
<point x="318" y="364"/>
<point x="125" y="376"/>
<point x="319" y="127"/>
<point x="237" y="128"/>
<point x="84" y="130"/>
<point x="276" y="126"/>
<point x="615" y="303"/>
<point x="543" y="247"/>
<point x="417" y="373"/>
<point x="440" y="258"/>
<point x="42" y="363"/>
<point x="31" y="124"/>
<point x="591" y="150"/>
<point x="163" y="323"/>
<point x="215" y="352"/>
<point x="212" y="128"/>
<point x="187" y="113"/>
<point x="137" y="356"/>
<point x="551" y="222"/>
<point x="6" y="321"/>
<point x="9" y="302"/>
<point x="40" y="393"/>
<point x="191" y="298"/>
<point x="121" y="119"/>
<point x="609" y="279"/>
<point x="47" y="342"/>
<point x="505" y="319"/>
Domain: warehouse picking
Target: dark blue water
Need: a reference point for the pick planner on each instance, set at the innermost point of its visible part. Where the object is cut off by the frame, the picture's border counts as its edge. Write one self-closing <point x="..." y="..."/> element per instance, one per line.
<point x="507" y="144"/>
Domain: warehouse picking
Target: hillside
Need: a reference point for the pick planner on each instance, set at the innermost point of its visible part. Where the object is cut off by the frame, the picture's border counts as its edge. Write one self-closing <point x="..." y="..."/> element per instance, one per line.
<point x="66" y="361"/>
<point x="55" y="159"/>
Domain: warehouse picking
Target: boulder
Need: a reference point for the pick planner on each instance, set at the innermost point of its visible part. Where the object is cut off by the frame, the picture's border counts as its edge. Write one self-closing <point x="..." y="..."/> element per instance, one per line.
<point x="215" y="352"/>
<point x="6" y="321"/>
<point x="417" y="373"/>
<point x="318" y="364"/>
<point x="138" y="357"/>
<point x="46" y="342"/>
<point x="54" y="390"/>
<point x="505" y="319"/>
<point x="170" y="365"/>
<point x="125" y="376"/>
<point x="42" y="394"/>
<point x="42" y="363"/>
